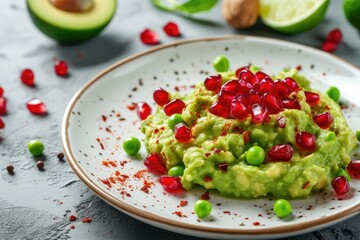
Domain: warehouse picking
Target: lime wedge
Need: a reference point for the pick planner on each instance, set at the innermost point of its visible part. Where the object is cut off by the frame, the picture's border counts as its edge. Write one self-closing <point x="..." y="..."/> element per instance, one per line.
<point x="293" y="16"/>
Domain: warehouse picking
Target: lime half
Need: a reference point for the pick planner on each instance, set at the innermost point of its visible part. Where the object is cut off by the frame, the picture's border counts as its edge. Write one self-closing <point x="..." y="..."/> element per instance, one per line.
<point x="293" y="16"/>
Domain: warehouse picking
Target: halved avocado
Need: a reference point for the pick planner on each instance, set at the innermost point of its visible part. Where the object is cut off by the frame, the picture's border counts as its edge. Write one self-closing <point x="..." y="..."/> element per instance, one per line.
<point x="71" y="27"/>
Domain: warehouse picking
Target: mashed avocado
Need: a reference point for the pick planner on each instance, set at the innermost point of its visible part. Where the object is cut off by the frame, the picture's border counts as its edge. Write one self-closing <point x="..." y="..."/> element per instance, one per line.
<point x="218" y="141"/>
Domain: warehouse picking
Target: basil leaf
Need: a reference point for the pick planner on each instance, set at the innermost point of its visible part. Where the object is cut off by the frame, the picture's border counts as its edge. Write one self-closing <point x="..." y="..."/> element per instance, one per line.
<point x="159" y="4"/>
<point x="195" y="6"/>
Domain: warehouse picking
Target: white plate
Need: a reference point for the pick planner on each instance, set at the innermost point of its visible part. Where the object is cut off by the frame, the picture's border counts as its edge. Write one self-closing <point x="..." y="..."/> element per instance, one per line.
<point x="89" y="139"/>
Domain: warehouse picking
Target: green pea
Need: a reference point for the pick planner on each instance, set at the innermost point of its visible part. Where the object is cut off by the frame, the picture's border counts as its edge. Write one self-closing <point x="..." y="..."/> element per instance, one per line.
<point x="131" y="146"/>
<point x="174" y="120"/>
<point x="176" y="171"/>
<point x="330" y="136"/>
<point x="36" y="147"/>
<point x="282" y="208"/>
<point x="221" y="63"/>
<point x="342" y="172"/>
<point x="255" y="155"/>
<point x="358" y="135"/>
<point x="202" y="208"/>
<point x="333" y="93"/>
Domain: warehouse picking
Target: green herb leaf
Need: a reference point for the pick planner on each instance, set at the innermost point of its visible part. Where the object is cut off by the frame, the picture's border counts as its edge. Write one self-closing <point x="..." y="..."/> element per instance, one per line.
<point x="189" y="7"/>
<point x="195" y="6"/>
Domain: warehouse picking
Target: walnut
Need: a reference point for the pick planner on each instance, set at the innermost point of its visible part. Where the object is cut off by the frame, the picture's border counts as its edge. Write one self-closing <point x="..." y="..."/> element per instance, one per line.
<point x="241" y="13"/>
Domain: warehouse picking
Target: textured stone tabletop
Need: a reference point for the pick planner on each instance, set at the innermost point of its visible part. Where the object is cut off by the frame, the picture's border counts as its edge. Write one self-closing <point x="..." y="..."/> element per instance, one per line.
<point x="36" y="204"/>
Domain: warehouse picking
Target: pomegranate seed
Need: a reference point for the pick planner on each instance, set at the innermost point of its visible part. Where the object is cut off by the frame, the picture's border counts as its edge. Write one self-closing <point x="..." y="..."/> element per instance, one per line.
<point x="334" y="36"/>
<point x="290" y="104"/>
<point x="225" y="97"/>
<point x="182" y="133"/>
<point x="312" y="98"/>
<point x="281" y="89"/>
<point x="281" y="153"/>
<point x="28" y="77"/>
<point x="149" y="37"/>
<point x="175" y="106"/>
<point x="238" y="110"/>
<point x="305" y="141"/>
<point x="171" y="29"/>
<point x="239" y="70"/>
<point x="291" y="84"/>
<point x="323" y="120"/>
<point x="272" y="103"/>
<point x="244" y="86"/>
<point x="2" y="106"/>
<point x="36" y="106"/>
<point x="1" y="91"/>
<point x="61" y="68"/>
<point x="231" y="86"/>
<point x="253" y="98"/>
<point x="171" y="184"/>
<point x="329" y="46"/>
<point x="259" y="113"/>
<point x="161" y="96"/>
<point x="260" y="75"/>
<point x="220" y="110"/>
<point x="249" y="77"/>
<point x="266" y="86"/>
<point x="353" y="169"/>
<point x="340" y="185"/>
<point x="213" y="83"/>
<point x="143" y="110"/>
<point x="281" y="121"/>
<point x="2" y="124"/>
<point x="223" y="167"/>
<point x="243" y="98"/>
<point x="154" y="163"/>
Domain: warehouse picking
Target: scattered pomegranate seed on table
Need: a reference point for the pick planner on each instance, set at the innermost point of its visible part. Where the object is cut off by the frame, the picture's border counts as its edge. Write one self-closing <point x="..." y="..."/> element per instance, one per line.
<point x="86" y="220"/>
<point x="334" y="36"/>
<point x="61" y="68"/>
<point x="329" y="47"/>
<point x="2" y="106"/>
<point x="1" y="91"/>
<point x="72" y="218"/>
<point x="149" y="37"/>
<point x="37" y="107"/>
<point x="2" y="124"/>
<point x="27" y="77"/>
<point x="171" y="29"/>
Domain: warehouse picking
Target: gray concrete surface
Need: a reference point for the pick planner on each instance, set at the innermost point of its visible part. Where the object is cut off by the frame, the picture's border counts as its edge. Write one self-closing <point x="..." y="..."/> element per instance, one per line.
<point x="36" y="204"/>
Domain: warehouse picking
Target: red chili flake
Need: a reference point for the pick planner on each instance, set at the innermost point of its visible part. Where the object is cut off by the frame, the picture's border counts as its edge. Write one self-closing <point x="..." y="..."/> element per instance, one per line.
<point x="260" y="215"/>
<point x="149" y="37"/>
<point x="108" y="130"/>
<point x="131" y="107"/>
<point x="118" y="114"/>
<point x="177" y="88"/>
<point x="106" y="182"/>
<point x="227" y="212"/>
<point x="105" y="163"/>
<point x="217" y="150"/>
<point x="122" y="163"/>
<point x="179" y="213"/>
<point x="156" y="131"/>
<point x="104" y="118"/>
<point x="256" y="223"/>
<point x="183" y="203"/>
<point x="171" y="29"/>
<point x="205" y="196"/>
<point x="101" y="145"/>
<point x="207" y="154"/>
<point x="246" y="136"/>
<point x="198" y="114"/>
<point x="72" y="227"/>
<point x="86" y="220"/>
<point x="117" y="173"/>
<point x="306" y="184"/>
<point x="223" y="167"/>
<point x="72" y="218"/>
<point x="225" y="129"/>
<point x="207" y="179"/>
<point x="298" y="67"/>
<point x="144" y="189"/>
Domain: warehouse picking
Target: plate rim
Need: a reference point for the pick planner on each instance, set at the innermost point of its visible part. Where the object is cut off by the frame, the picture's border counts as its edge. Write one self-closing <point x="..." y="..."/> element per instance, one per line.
<point x="127" y="208"/>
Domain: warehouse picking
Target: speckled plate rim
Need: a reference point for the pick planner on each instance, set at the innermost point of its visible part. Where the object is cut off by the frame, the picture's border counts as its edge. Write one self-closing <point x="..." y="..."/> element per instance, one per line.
<point x="127" y="208"/>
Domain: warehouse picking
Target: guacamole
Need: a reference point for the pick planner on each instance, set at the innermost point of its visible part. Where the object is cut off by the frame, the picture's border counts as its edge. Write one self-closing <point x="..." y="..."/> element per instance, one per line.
<point x="215" y="156"/>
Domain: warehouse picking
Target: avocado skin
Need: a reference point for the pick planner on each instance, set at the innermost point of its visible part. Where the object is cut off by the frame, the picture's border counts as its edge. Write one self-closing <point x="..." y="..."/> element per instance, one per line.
<point x="65" y="36"/>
